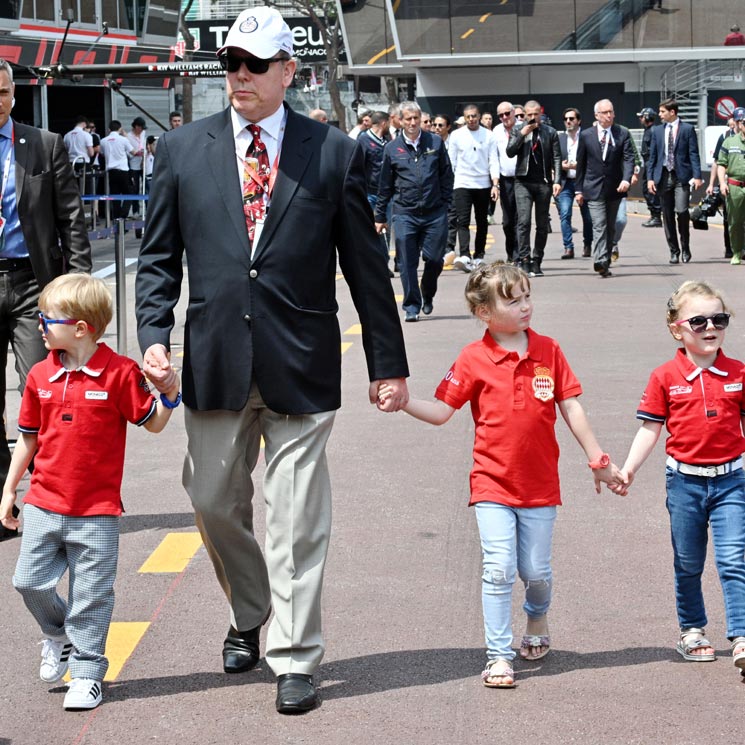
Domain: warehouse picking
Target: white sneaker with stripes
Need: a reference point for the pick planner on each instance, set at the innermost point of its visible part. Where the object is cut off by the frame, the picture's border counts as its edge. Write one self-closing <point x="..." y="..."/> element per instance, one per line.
<point x="55" y="652"/>
<point x="83" y="693"/>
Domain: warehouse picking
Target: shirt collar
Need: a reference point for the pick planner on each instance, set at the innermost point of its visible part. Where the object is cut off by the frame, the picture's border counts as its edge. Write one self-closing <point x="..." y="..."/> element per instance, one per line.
<point x="413" y="143"/>
<point x="497" y="353"/>
<point x="93" y="368"/>
<point x="7" y="129"/>
<point x="271" y="125"/>
<point x="691" y="372"/>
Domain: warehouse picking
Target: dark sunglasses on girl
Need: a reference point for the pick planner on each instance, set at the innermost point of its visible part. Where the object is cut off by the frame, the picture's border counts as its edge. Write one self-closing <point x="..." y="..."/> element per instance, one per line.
<point x="256" y="66"/>
<point x="699" y="324"/>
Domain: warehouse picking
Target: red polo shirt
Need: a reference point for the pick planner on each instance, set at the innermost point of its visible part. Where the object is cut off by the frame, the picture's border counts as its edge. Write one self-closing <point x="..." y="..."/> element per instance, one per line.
<point x="80" y="417"/>
<point x="701" y="408"/>
<point x="513" y="404"/>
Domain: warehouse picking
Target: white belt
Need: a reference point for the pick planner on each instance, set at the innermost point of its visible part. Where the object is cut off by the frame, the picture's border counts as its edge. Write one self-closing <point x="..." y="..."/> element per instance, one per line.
<point x="708" y="471"/>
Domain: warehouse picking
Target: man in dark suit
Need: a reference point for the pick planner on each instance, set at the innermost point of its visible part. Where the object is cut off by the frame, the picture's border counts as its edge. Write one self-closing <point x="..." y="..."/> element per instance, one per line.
<point x="605" y="165"/>
<point x="261" y="200"/>
<point x="673" y="163"/>
<point x="42" y="235"/>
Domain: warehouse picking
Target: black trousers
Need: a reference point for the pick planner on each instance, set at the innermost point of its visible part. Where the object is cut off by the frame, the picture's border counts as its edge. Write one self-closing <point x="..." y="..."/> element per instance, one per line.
<point x="652" y="200"/>
<point x="528" y="194"/>
<point x="119" y="183"/>
<point x="674" y="199"/>
<point x="464" y="200"/>
<point x="509" y="215"/>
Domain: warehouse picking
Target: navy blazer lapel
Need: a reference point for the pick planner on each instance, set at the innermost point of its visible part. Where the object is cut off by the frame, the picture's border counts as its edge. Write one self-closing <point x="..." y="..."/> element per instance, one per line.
<point x="220" y="149"/>
<point x="293" y="161"/>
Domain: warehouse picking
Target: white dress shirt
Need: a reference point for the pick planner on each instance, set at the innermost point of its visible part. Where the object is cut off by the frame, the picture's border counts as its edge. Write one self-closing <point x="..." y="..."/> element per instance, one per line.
<point x="506" y="165"/>
<point x="474" y="158"/>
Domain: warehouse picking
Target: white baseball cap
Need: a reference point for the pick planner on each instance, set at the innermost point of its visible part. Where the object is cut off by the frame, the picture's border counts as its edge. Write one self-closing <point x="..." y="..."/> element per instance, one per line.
<point x="259" y="31"/>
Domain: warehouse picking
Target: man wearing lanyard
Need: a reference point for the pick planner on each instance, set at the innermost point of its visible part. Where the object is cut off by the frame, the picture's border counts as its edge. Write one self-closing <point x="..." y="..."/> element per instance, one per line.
<point x="262" y="346"/>
<point x="42" y="235"/>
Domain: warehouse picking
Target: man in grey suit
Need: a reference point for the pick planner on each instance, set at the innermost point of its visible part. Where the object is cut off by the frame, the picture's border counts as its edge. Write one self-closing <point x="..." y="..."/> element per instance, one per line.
<point x="42" y="235"/>
<point x="261" y="200"/>
<point x="605" y="165"/>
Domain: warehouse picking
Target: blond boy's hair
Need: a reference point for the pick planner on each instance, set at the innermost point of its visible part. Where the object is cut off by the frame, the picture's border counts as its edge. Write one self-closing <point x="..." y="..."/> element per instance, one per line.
<point x="489" y="281"/>
<point x="82" y="298"/>
<point x="688" y="288"/>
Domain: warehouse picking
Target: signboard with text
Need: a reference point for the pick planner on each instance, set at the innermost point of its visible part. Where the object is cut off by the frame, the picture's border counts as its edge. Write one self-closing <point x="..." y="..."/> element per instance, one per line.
<point x="306" y="38"/>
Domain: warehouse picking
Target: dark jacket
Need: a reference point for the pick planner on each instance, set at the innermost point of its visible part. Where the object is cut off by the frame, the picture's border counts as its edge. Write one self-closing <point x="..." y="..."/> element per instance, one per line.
<point x="372" y="149"/>
<point x="520" y="145"/>
<point x="270" y="318"/>
<point x="687" y="162"/>
<point x="598" y="179"/>
<point x="420" y="184"/>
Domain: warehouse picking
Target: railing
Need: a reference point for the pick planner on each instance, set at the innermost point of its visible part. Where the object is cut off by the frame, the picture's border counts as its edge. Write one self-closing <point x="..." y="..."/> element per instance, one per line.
<point x="203" y="11"/>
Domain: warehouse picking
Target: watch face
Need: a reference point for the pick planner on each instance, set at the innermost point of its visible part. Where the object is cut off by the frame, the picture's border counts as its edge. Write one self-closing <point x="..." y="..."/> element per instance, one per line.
<point x="604" y="460"/>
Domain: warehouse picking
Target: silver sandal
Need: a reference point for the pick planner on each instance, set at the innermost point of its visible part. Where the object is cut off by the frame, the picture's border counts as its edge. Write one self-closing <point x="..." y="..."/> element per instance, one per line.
<point x="685" y="647"/>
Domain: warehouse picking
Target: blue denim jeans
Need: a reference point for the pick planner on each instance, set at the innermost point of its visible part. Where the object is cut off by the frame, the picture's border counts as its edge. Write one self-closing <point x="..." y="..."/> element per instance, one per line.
<point x="694" y="503"/>
<point x="513" y="541"/>
<point x="565" y="203"/>
<point x="415" y="235"/>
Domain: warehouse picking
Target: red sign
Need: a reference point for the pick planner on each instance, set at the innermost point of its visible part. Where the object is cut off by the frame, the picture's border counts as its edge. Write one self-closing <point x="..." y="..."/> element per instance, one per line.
<point x="724" y="107"/>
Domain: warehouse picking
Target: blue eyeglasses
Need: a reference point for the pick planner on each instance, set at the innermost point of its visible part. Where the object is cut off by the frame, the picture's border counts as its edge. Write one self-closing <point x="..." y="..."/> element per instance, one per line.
<point x="44" y="321"/>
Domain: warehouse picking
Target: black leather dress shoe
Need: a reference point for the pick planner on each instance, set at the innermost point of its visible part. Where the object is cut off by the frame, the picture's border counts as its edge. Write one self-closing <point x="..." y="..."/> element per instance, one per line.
<point x="674" y="259"/>
<point x="296" y="693"/>
<point x="427" y="307"/>
<point x="686" y="257"/>
<point x="240" y="650"/>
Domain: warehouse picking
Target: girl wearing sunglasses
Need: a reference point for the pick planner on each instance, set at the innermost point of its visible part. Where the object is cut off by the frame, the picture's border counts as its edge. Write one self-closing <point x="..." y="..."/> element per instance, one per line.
<point x="698" y="396"/>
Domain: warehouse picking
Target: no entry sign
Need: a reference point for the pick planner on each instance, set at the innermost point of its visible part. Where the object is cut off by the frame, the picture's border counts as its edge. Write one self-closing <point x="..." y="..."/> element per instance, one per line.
<point x="724" y="107"/>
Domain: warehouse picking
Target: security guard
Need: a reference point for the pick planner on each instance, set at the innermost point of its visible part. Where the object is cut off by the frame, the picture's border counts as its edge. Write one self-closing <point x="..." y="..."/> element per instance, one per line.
<point x="731" y="171"/>
<point x="646" y="119"/>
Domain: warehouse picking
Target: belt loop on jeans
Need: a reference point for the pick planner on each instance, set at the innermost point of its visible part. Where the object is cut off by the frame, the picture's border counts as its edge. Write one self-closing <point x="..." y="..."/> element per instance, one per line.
<point x="707" y="471"/>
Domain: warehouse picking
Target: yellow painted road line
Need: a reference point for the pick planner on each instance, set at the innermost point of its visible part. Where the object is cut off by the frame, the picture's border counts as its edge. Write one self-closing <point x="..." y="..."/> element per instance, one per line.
<point x="468" y="33"/>
<point x="395" y="5"/>
<point x="123" y="637"/>
<point x="484" y="17"/>
<point x="345" y="345"/>
<point x="339" y="276"/>
<point x="377" y="56"/>
<point x="398" y="298"/>
<point x="354" y="330"/>
<point x="173" y="554"/>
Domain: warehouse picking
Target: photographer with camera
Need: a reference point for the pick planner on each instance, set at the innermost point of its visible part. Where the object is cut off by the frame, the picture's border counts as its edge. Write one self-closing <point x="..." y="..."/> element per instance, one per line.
<point x="713" y="189"/>
<point x="731" y="172"/>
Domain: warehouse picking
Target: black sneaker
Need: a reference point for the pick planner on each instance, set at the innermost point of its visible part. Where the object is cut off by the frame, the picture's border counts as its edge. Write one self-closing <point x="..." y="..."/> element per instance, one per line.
<point x="653" y="222"/>
<point x="535" y="270"/>
<point x="427" y="307"/>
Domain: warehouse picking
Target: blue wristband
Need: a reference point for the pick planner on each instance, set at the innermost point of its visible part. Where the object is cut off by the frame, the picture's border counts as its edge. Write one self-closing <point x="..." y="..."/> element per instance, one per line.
<point x="170" y="404"/>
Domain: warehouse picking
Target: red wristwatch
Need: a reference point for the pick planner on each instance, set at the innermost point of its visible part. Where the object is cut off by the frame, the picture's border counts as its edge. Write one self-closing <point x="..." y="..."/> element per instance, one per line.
<point x="602" y="461"/>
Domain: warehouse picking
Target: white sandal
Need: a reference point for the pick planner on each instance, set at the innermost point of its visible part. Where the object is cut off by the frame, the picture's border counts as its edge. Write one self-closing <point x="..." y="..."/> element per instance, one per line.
<point x="739" y="658"/>
<point x="507" y="672"/>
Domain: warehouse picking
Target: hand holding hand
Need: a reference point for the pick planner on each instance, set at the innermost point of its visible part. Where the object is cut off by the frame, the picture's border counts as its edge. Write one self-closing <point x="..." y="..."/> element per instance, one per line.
<point x="389" y="394"/>
<point x="156" y="364"/>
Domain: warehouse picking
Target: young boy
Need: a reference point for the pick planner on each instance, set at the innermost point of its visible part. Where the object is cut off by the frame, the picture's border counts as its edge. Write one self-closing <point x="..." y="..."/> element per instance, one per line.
<point x="73" y="421"/>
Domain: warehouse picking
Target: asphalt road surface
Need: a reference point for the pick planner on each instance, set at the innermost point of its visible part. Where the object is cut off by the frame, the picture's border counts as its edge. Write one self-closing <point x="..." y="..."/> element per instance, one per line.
<point x="402" y="607"/>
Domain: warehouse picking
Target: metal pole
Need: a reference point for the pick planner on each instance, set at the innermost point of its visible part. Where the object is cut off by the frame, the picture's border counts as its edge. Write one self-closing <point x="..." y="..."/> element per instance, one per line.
<point x="121" y="288"/>
<point x="107" y="191"/>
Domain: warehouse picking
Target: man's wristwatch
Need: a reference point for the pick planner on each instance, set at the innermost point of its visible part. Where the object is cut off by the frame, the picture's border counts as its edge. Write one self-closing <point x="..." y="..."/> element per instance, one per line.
<point x="602" y="461"/>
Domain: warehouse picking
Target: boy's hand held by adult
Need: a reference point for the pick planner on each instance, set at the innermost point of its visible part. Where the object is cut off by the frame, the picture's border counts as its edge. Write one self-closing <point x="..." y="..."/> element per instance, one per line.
<point x="156" y="364"/>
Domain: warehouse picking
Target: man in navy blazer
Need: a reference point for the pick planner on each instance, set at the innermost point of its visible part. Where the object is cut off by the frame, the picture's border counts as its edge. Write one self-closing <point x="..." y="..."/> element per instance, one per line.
<point x="262" y="346"/>
<point x="670" y="175"/>
<point x="605" y="165"/>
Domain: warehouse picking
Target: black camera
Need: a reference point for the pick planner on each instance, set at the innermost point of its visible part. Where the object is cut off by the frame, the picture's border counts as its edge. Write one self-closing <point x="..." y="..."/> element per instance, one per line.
<point x="707" y="207"/>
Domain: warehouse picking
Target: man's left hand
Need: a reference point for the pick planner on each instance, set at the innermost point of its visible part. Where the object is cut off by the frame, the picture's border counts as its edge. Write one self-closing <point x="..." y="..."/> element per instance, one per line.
<point x="697" y="183"/>
<point x="623" y="187"/>
<point x="557" y="189"/>
<point x="397" y="394"/>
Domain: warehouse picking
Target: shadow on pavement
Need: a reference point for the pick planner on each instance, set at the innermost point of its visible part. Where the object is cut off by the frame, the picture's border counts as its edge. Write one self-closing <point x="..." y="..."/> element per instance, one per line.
<point x="168" y="520"/>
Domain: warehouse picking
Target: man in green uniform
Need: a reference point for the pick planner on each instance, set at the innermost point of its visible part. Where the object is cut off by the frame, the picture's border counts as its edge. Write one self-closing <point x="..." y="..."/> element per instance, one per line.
<point x="731" y="172"/>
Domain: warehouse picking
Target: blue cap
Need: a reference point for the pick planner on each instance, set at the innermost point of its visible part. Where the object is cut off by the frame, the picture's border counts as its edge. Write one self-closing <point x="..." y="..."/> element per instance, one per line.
<point x="739" y="114"/>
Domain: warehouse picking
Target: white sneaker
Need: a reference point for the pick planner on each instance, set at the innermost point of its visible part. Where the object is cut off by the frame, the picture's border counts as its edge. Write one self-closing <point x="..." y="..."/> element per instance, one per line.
<point x="55" y="652"/>
<point x="83" y="693"/>
<point x="449" y="258"/>
<point x="490" y="219"/>
<point x="463" y="263"/>
<point x="477" y="263"/>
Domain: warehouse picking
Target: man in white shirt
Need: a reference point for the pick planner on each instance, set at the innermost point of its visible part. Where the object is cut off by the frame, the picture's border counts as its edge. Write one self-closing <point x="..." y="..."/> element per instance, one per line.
<point x="475" y="163"/>
<point x="79" y="142"/>
<point x="138" y="139"/>
<point x="115" y="148"/>
<point x="506" y="183"/>
<point x="364" y="122"/>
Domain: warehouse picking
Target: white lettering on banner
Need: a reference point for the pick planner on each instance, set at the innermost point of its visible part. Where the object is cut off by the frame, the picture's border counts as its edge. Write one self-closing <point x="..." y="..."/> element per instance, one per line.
<point x="219" y="32"/>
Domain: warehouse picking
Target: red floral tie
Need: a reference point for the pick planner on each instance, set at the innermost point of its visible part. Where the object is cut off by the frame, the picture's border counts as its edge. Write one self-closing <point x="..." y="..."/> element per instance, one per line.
<point x="256" y="171"/>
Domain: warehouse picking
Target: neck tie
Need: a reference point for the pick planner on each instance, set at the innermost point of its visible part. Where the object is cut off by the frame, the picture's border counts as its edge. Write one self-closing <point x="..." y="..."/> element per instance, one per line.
<point x="603" y="142"/>
<point x="670" y="160"/>
<point x="256" y="172"/>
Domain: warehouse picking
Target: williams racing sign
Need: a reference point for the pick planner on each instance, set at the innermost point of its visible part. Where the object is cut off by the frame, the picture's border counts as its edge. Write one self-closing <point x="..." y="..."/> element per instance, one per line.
<point x="306" y="37"/>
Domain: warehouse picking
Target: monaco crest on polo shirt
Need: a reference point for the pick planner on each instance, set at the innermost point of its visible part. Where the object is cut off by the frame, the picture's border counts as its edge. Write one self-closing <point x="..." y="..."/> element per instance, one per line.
<point x="543" y="384"/>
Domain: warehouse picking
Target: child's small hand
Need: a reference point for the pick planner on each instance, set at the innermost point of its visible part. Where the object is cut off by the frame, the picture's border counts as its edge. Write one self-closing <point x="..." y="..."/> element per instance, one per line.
<point x="6" y="511"/>
<point x="385" y="398"/>
<point x="622" y="488"/>
<point x="612" y="476"/>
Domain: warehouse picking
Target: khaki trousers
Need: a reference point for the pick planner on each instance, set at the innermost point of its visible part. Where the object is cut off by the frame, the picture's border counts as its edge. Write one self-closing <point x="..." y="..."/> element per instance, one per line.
<point x="222" y="451"/>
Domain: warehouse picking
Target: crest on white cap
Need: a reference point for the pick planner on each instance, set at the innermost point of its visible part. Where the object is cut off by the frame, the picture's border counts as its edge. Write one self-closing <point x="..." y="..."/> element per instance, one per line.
<point x="261" y="32"/>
